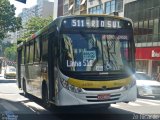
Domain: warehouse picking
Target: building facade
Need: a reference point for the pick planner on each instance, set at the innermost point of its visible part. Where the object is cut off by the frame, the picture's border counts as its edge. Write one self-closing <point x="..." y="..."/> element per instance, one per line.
<point x="75" y="7"/>
<point x="146" y="17"/>
<point x="60" y="8"/>
<point x="43" y="9"/>
<point x="105" y="7"/>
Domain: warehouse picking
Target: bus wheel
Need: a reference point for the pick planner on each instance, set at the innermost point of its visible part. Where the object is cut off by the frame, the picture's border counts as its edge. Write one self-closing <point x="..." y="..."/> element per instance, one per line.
<point x="45" y="98"/>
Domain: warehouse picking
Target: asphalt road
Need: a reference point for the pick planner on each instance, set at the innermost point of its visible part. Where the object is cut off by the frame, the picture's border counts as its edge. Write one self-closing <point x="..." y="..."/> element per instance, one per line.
<point x="14" y="106"/>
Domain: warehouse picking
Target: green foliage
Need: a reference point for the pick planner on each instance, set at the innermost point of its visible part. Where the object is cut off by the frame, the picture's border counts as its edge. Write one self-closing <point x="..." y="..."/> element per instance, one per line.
<point x="10" y="52"/>
<point x="4" y="45"/>
<point x="8" y="22"/>
<point x="33" y="25"/>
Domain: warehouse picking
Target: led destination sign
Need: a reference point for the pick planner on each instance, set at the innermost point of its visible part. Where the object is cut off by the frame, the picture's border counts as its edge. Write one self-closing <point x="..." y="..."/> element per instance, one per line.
<point x="95" y="23"/>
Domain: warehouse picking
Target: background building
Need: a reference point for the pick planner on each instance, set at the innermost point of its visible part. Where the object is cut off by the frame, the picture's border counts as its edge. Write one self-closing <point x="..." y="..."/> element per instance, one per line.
<point x="105" y="7"/>
<point x="60" y="8"/>
<point x="146" y="17"/>
<point x="11" y="37"/>
<point x="43" y="9"/>
<point x="71" y="7"/>
<point x="56" y="8"/>
<point x="74" y="7"/>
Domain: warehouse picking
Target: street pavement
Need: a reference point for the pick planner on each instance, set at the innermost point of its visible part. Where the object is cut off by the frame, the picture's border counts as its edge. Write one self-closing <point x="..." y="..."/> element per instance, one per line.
<point x="14" y="106"/>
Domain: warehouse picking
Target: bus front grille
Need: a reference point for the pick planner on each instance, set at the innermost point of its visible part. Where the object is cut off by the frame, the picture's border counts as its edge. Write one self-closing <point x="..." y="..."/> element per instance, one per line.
<point x="95" y="98"/>
<point x="103" y="100"/>
<point x="116" y="95"/>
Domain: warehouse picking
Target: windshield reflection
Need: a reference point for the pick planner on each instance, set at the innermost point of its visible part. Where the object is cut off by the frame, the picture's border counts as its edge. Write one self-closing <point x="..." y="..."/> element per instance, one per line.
<point x="94" y="52"/>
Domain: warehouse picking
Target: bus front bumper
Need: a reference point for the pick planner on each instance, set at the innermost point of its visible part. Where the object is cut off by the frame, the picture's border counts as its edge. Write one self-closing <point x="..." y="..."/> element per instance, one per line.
<point x="68" y="98"/>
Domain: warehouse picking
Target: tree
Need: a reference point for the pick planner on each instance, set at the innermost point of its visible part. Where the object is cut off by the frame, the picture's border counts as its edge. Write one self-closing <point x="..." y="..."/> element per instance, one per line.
<point x="3" y="46"/>
<point x="8" y="22"/>
<point x="10" y="52"/>
<point x="33" y="25"/>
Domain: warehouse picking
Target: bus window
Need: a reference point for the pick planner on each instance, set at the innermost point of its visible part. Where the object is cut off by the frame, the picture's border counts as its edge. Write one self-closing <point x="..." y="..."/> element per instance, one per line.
<point x="44" y="48"/>
<point x="22" y="62"/>
<point x="37" y="51"/>
<point x="27" y="54"/>
<point x="31" y="52"/>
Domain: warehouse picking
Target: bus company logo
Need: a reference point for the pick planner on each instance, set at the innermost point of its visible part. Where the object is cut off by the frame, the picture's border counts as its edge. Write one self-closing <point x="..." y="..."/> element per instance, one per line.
<point x="104" y="88"/>
<point x="155" y="54"/>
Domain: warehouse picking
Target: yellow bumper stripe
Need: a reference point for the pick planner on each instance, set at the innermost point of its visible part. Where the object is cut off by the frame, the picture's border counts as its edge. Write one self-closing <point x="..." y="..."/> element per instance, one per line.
<point x="99" y="83"/>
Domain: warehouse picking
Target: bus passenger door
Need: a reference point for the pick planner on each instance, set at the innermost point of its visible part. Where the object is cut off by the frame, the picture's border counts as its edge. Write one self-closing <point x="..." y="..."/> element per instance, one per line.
<point x="51" y="65"/>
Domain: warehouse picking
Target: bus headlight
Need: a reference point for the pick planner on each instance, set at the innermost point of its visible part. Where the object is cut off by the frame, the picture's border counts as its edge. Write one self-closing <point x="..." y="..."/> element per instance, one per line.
<point x="131" y="84"/>
<point x="70" y="87"/>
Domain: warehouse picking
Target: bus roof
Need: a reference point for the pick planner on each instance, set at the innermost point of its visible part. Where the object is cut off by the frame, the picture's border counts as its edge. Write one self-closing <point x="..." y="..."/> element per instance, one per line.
<point x="96" y="15"/>
<point x="72" y="16"/>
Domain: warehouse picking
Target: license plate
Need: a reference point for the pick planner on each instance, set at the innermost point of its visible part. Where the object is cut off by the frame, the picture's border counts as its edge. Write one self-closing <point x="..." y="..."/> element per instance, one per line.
<point x="103" y="96"/>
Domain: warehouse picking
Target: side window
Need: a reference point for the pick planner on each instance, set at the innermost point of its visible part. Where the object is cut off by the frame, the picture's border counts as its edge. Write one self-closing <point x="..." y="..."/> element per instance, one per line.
<point x="27" y="54"/>
<point x="44" y="48"/>
<point x="22" y="62"/>
<point x="31" y="52"/>
<point x="37" y="50"/>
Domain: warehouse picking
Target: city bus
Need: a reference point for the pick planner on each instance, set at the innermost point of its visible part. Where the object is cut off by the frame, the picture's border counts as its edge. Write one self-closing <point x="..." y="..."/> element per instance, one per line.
<point x="79" y="60"/>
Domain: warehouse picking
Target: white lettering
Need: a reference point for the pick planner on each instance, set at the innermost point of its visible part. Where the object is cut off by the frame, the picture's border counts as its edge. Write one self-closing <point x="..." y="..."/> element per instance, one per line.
<point x="102" y="23"/>
<point x="118" y="25"/>
<point x="97" y="23"/>
<point x="74" y="23"/>
<point x="88" y="63"/>
<point x="109" y="24"/>
<point x="155" y="54"/>
<point x="114" y="24"/>
<point x="93" y="22"/>
<point x="78" y="23"/>
<point x="82" y="22"/>
<point x="74" y="64"/>
<point x="88" y="23"/>
<point x="99" y="68"/>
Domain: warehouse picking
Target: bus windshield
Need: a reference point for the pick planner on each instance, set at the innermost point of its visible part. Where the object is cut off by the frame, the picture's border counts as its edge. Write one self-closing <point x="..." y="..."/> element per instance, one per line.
<point x="94" y="52"/>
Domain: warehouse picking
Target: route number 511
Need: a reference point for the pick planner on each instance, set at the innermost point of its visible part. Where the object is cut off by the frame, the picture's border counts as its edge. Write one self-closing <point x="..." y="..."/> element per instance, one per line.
<point x="77" y="23"/>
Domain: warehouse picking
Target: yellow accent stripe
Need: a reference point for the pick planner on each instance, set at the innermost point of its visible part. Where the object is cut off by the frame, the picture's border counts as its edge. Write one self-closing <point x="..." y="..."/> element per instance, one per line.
<point x="100" y="83"/>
